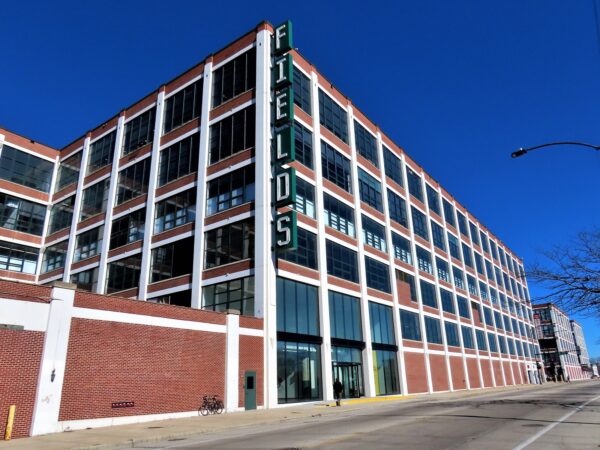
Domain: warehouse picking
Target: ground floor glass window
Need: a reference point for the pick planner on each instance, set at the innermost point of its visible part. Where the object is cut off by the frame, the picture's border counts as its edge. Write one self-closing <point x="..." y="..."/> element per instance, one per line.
<point x="298" y="372"/>
<point x="385" y="367"/>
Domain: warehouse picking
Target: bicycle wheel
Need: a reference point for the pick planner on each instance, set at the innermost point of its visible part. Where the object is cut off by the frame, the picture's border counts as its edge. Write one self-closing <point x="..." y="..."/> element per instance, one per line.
<point x="218" y="406"/>
<point x="203" y="410"/>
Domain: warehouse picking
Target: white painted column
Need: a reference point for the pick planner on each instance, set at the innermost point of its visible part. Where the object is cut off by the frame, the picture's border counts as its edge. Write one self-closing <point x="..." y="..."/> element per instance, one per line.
<point x="38" y="269"/>
<point x="54" y="358"/>
<point x="232" y="360"/>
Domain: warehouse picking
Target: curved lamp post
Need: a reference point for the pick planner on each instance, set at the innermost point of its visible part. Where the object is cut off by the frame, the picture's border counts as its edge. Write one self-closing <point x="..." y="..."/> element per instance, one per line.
<point x="522" y="151"/>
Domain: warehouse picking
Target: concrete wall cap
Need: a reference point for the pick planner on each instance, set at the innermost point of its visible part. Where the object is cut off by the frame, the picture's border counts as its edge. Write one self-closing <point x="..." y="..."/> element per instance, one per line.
<point x="233" y="311"/>
<point x="64" y="285"/>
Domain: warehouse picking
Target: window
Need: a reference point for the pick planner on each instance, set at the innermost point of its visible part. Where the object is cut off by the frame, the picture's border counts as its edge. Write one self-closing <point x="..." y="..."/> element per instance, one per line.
<point x="404" y="277"/>
<point x="401" y="248"/>
<point x="449" y="212"/>
<point x="478" y="262"/>
<point x="393" y="166"/>
<point x="494" y="296"/>
<point x="230" y="243"/>
<point x="483" y="290"/>
<point x="94" y="199"/>
<point x="306" y="253"/>
<point x="183" y="106"/>
<point x="442" y="270"/>
<point x="452" y="338"/>
<point x="54" y="256"/>
<point x="305" y="198"/>
<point x="101" y="152"/>
<point x="338" y="215"/>
<point x="61" y="215"/>
<point x="233" y="294"/>
<point x="299" y="369"/>
<point x="128" y="229"/>
<point x="428" y="294"/>
<point x="332" y="116"/>
<point x="336" y="167"/>
<point x="378" y="275"/>
<point x="446" y="300"/>
<point x="492" y="343"/>
<point x="232" y="135"/>
<point x="21" y="215"/>
<point x="419" y="223"/>
<point x="25" y="169"/>
<point x="18" y="258"/>
<point x="124" y="274"/>
<point x="453" y="246"/>
<point x="86" y="280"/>
<point x="433" y="199"/>
<point x="374" y="234"/>
<point x="397" y="208"/>
<point x="459" y="280"/>
<point x="471" y="285"/>
<point x="175" y="211"/>
<point x="424" y="260"/>
<point x="172" y="260"/>
<point x="366" y="144"/>
<point x="180" y="298"/>
<point x="297" y="307"/>
<point x="409" y="322"/>
<point x="463" y="307"/>
<point x="139" y="131"/>
<point x="133" y="181"/>
<point x="415" y="188"/>
<point x="345" y="317"/>
<point x="382" y="325"/>
<point x="178" y="160"/>
<point x="301" y="87"/>
<point x="494" y="249"/>
<point x="498" y="276"/>
<point x="433" y="330"/>
<point x="234" y="78"/>
<point x="462" y="224"/>
<point x="88" y="244"/>
<point x="490" y="272"/>
<point x="341" y="262"/>
<point x="474" y="233"/>
<point x="68" y="171"/>
<point x="370" y="190"/>
<point x="437" y="234"/>
<point x="498" y="320"/>
<point x="230" y="190"/>
<point x="484" y="241"/>
<point x="303" y="145"/>
<point x="467" y="335"/>
<point x="385" y="366"/>
<point x="467" y="255"/>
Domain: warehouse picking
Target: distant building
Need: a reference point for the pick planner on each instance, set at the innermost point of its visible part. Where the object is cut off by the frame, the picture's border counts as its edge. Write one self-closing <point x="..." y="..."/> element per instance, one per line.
<point x="581" y="347"/>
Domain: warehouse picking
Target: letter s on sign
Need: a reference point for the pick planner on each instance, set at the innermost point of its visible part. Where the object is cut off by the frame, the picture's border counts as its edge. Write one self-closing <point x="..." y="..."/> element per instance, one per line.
<point x="283" y="228"/>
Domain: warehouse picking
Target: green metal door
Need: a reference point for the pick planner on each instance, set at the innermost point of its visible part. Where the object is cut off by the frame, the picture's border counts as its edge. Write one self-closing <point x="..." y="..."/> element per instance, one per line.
<point x="250" y="390"/>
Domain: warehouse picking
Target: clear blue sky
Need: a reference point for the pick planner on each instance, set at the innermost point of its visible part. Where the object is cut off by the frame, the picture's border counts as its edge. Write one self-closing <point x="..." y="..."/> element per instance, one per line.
<point x="459" y="85"/>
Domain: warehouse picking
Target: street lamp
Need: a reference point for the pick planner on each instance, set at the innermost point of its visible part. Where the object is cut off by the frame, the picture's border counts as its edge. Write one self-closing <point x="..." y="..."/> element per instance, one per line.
<point x="522" y="151"/>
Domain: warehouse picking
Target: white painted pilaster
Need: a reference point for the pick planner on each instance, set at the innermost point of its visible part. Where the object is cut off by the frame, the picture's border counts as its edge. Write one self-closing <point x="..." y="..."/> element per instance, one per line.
<point x="232" y="360"/>
<point x="38" y="270"/>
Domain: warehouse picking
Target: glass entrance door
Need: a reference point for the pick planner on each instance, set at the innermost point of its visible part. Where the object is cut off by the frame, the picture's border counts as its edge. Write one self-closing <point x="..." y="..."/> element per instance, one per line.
<point x="350" y="375"/>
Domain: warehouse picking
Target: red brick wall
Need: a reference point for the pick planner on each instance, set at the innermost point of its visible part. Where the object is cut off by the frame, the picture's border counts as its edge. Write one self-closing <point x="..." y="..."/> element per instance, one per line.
<point x="251" y="358"/>
<point x="458" y="373"/>
<point x="473" y="370"/>
<point x="439" y="374"/>
<point x="507" y="374"/>
<point x="19" y="371"/>
<point x="486" y="372"/>
<point x="24" y="291"/>
<point x="416" y="374"/>
<point x="161" y="369"/>
<point x="498" y="373"/>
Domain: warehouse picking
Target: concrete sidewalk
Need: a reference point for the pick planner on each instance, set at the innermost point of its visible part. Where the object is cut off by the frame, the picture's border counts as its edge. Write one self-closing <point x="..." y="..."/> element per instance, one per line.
<point x="129" y="436"/>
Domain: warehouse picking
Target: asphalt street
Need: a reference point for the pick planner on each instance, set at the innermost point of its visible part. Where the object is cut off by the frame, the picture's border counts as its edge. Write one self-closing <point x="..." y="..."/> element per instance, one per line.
<point x="564" y="416"/>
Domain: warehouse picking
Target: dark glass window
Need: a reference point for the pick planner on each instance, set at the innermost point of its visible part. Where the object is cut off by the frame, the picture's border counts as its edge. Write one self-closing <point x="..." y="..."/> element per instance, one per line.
<point x="338" y="215"/>
<point x="178" y="159"/>
<point x="183" y="106"/>
<point x="424" y="260"/>
<point x="483" y="290"/>
<point x="401" y="248"/>
<point x="419" y="223"/>
<point x="490" y="272"/>
<point x="101" y="152"/>
<point x="433" y="199"/>
<point x="94" y="199"/>
<point x="229" y="244"/>
<point x="305" y="198"/>
<point x="446" y="300"/>
<point x="68" y="171"/>
<point x="366" y="144"/>
<point x="397" y="208"/>
<point x="415" y="188"/>
<point x="494" y="250"/>
<point x="474" y="233"/>
<point x="18" y="258"/>
<point x="297" y="307"/>
<point x="467" y="255"/>
<point x="410" y="280"/>
<point x="55" y="256"/>
<point x="428" y="294"/>
<point x="61" y="214"/>
<point x="478" y="262"/>
<point x="86" y="280"/>
<point x="133" y="181"/>
<point x="467" y="335"/>
<point x="344" y="317"/>
<point x="442" y="270"/>
<point x="139" y="131"/>
<point x="382" y="324"/>
<point x="433" y="330"/>
<point x="374" y="234"/>
<point x="124" y="274"/>
<point x="128" y="229"/>
<point x="21" y="215"/>
<point x="463" y="307"/>
<point x="306" y="253"/>
<point x="180" y="298"/>
<point x="385" y="365"/>
<point x="484" y="242"/>
<point x="452" y="334"/>
<point x="232" y="135"/>
<point x="437" y="235"/>
<point x="230" y="190"/>
<point x="175" y="211"/>
<point x="378" y="275"/>
<point x="453" y="246"/>
<point x="459" y="278"/>
<point x="502" y="342"/>
<point x="298" y="372"/>
<point x="449" y="212"/>
<point x="393" y="166"/>
<point x="336" y="167"/>
<point x="471" y="285"/>
<point x="234" y="294"/>
<point x="172" y="260"/>
<point x="332" y="116"/>
<point x="498" y="320"/>
<point x="341" y="262"/>
<point x="462" y="224"/>
<point x="88" y="243"/>
<point x="25" y="169"/>
<point x="303" y="145"/>
<point x="410" y="325"/>
<point x="234" y="78"/>
<point x="492" y="343"/>
<point x="301" y="87"/>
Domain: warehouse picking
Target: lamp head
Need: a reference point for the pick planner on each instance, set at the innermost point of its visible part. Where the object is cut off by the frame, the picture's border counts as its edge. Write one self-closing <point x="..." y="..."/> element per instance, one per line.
<point x="518" y="153"/>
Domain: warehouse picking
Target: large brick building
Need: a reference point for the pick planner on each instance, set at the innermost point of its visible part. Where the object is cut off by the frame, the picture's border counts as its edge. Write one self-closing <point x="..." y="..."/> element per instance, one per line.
<point x="249" y="182"/>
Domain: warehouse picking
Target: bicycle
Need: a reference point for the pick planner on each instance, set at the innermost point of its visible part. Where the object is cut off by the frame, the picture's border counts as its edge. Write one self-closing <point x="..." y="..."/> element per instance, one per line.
<point x="211" y="404"/>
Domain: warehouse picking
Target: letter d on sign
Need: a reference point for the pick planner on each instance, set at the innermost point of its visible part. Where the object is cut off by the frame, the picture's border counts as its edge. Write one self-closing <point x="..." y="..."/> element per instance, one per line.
<point x="285" y="187"/>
